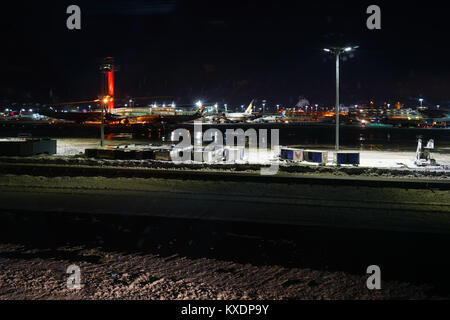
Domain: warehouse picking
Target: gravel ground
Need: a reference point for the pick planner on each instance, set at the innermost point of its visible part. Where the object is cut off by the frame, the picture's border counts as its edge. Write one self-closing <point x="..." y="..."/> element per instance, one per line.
<point x="27" y="273"/>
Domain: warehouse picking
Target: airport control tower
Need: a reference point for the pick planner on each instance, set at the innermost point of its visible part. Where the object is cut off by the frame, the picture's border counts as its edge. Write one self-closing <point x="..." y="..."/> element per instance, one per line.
<point x="108" y="68"/>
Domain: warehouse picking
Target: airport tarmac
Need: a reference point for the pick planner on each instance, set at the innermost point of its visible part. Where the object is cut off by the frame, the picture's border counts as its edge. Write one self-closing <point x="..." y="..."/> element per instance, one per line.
<point x="369" y="158"/>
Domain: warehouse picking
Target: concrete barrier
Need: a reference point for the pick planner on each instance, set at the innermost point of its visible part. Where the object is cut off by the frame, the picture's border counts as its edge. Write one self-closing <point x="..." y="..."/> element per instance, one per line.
<point x="27" y="147"/>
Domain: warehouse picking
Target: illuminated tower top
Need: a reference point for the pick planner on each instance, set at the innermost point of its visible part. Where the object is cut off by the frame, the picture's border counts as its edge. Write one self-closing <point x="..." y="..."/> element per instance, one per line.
<point x="108" y="68"/>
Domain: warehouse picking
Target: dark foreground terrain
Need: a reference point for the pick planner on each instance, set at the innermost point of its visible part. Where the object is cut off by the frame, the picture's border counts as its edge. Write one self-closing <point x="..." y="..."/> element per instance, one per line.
<point x="125" y="257"/>
<point x="176" y="235"/>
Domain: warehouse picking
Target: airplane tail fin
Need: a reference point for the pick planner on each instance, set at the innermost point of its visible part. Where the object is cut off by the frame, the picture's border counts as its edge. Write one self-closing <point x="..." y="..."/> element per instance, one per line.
<point x="250" y="107"/>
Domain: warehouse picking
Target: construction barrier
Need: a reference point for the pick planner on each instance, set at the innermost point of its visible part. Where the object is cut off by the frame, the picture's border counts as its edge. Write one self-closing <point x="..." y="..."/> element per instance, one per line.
<point x="320" y="157"/>
<point x="347" y="158"/>
<point x="232" y="154"/>
<point x="27" y="147"/>
<point x="291" y="154"/>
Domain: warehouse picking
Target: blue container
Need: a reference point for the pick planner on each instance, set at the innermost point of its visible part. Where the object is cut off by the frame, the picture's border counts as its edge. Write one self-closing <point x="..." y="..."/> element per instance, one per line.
<point x="347" y="158"/>
<point x="317" y="157"/>
<point x="287" y="154"/>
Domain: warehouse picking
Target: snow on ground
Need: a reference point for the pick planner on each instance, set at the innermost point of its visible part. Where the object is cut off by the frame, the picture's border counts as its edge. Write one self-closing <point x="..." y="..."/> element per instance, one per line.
<point x="368" y="158"/>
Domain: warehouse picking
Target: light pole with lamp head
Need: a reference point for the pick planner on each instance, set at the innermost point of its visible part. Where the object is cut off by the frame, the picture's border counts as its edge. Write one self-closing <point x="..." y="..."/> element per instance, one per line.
<point x="102" y="127"/>
<point x="337" y="51"/>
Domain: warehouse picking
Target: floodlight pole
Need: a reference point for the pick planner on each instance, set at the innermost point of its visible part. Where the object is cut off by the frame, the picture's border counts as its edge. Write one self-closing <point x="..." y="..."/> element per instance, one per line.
<point x="102" y="128"/>
<point x="338" y="54"/>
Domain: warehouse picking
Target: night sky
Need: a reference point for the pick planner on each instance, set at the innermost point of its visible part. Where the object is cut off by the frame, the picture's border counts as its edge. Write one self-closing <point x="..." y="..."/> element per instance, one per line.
<point x="226" y="51"/>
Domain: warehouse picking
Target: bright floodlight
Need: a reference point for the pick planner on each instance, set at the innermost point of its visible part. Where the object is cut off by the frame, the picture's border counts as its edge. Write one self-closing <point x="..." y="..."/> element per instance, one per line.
<point x="348" y="49"/>
<point x="327" y="50"/>
<point x="198" y="103"/>
<point x="421" y="100"/>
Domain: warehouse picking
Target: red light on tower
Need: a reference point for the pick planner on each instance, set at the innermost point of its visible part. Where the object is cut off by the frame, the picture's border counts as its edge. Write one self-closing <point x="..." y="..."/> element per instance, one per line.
<point x="108" y="68"/>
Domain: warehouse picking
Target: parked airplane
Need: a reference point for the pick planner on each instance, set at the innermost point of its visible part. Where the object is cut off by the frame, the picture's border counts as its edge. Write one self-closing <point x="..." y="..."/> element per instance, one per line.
<point x="155" y="115"/>
<point x="240" y="116"/>
<point x="271" y="118"/>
